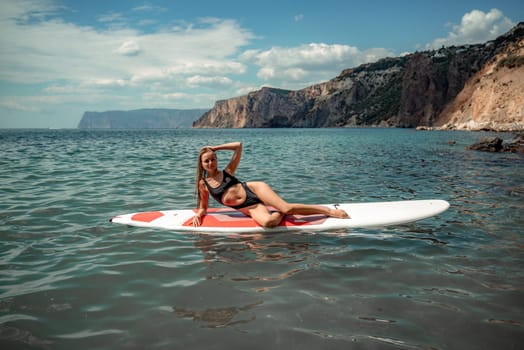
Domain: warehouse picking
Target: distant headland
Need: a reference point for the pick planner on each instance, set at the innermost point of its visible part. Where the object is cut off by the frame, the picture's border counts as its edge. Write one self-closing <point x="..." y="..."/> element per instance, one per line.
<point x="152" y="118"/>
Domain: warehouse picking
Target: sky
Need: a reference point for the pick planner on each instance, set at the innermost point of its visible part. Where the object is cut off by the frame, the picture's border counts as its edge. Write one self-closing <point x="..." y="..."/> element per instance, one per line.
<point x="60" y="58"/>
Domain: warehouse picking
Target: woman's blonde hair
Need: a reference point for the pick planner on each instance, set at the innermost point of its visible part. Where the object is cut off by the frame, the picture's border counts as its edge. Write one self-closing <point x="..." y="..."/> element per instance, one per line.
<point x="200" y="172"/>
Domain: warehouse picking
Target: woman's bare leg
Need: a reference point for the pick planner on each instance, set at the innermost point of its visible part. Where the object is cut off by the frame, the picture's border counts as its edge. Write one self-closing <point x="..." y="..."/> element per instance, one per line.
<point x="263" y="216"/>
<point x="269" y="197"/>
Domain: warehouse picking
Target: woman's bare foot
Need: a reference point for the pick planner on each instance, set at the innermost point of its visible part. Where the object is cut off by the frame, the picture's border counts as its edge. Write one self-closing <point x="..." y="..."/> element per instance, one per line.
<point x="338" y="213"/>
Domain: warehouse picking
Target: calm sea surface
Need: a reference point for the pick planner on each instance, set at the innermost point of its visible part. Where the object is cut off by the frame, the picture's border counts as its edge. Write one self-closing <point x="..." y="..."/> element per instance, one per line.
<point x="71" y="280"/>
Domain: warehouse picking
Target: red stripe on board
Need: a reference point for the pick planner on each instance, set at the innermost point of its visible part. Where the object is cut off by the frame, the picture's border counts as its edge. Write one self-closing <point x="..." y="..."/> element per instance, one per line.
<point x="231" y="218"/>
<point x="147" y="217"/>
<point x="227" y="218"/>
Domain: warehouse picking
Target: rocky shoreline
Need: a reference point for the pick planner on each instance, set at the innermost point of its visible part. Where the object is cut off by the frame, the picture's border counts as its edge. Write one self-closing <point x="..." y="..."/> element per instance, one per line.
<point x="472" y="126"/>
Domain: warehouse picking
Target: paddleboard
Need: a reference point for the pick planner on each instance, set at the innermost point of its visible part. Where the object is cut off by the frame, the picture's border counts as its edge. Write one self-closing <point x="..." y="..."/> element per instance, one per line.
<point x="226" y="220"/>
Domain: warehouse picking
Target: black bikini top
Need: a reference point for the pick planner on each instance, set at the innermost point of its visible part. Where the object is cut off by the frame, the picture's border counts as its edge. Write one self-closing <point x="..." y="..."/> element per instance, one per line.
<point x="228" y="180"/>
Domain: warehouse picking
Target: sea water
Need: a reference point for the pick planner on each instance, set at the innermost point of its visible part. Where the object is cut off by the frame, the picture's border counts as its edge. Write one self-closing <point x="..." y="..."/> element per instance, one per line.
<point x="71" y="280"/>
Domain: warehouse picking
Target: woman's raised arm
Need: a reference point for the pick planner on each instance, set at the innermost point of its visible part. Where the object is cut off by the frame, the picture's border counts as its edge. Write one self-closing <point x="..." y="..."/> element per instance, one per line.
<point x="235" y="159"/>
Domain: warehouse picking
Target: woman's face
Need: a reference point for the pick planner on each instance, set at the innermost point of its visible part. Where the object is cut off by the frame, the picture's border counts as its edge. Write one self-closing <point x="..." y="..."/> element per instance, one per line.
<point x="209" y="161"/>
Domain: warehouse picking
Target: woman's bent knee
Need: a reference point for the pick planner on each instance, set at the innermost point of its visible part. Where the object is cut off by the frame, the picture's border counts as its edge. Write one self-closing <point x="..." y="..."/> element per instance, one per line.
<point x="272" y="220"/>
<point x="269" y="224"/>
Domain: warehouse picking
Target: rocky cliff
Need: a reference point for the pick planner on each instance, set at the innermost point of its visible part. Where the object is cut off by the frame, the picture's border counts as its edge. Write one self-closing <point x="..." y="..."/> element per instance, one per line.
<point x="493" y="99"/>
<point x="140" y="119"/>
<point x="422" y="89"/>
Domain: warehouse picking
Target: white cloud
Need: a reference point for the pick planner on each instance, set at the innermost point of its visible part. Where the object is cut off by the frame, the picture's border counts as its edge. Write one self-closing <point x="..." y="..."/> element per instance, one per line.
<point x="198" y="80"/>
<point x="116" y="63"/>
<point x="129" y="48"/>
<point x="19" y="103"/>
<point x="109" y="82"/>
<point x="26" y="10"/>
<point x="298" y="17"/>
<point x="111" y="17"/>
<point x="148" y="75"/>
<point x="149" y="8"/>
<point x="60" y="89"/>
<point x="40" y="103"/>
<point x="475" y="27"/>
<point x="309" y="62"/>
<point x="198" y="100"/>
<point x="54" y="50"/>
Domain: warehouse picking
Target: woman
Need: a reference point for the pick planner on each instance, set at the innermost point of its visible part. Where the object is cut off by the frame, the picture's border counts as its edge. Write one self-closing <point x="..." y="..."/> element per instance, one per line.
<point x="250" y="198"/>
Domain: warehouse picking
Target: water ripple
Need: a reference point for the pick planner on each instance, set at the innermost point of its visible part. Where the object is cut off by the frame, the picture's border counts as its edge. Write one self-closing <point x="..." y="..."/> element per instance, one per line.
<point x="69" y="279"/>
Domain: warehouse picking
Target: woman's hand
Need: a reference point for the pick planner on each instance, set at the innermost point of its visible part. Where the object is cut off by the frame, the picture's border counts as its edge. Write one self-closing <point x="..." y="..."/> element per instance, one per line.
<point x="197" y="220"/>
<point x="203" y="202"/>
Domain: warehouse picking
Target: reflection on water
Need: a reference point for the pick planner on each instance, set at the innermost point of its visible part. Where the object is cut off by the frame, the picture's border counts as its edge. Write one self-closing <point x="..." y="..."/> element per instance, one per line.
<point x="251" y="252"/>
<point x="219" y="317"/>
<point x="249" y="248"/>
<point x="70" y="280"/>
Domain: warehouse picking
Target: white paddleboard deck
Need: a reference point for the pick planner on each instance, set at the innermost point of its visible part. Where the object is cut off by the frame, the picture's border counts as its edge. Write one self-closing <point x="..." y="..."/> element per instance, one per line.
<point x="226" y="220"/>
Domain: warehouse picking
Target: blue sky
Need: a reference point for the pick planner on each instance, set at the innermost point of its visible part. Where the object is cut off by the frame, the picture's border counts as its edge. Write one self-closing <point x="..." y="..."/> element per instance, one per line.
<point x="59" y="58"/>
